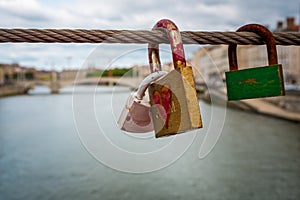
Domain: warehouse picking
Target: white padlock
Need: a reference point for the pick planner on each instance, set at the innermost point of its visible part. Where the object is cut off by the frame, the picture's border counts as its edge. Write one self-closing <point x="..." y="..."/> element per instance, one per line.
<point x="135" y="116"/>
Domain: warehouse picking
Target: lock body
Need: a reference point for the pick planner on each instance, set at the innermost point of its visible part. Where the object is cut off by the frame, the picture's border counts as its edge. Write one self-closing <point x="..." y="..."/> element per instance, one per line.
<point x="174" y="101"/>
<point x="255" y="82"/>
<point x="135" y="116"/>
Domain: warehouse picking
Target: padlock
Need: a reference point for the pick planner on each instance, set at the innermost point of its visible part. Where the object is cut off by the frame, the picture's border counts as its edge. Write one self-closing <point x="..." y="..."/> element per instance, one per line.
<point x="135" y="116"/>
<point x="256" y="82"/>
<point x="173" y="98"/>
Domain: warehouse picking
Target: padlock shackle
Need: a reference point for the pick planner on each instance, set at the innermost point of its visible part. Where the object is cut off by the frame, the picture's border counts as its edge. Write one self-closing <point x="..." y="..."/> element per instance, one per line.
<point x="147" y="81"/>
<point x="174" y="37"/>
<point x="265" y="34"/>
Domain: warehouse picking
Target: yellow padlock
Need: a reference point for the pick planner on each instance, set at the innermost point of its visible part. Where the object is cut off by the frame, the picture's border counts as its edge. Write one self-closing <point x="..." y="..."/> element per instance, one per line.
<point x="173" y="98"/>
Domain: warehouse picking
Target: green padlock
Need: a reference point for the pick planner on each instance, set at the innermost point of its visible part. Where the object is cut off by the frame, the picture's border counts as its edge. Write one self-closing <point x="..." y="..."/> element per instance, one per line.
<point x="256" y="82"/>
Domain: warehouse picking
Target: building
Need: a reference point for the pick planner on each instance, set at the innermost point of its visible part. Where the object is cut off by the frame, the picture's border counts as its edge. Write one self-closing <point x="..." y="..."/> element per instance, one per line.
<point x="288" y="26"/>
<point x="72" y="74"/>
<point x="10" y="73"/>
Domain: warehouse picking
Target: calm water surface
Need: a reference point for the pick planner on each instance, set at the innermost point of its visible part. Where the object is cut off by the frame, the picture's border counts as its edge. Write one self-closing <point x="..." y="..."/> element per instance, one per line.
<point x="41" y="156"/>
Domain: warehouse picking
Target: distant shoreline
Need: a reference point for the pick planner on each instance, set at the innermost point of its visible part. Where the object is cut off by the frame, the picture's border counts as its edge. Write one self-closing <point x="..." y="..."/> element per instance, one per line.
<point x="11" y="90"/>
<point x="282" y="107"/>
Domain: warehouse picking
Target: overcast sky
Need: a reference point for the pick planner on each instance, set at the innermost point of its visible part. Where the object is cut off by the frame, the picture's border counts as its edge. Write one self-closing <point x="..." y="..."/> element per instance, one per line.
<point x="204" y="15"/>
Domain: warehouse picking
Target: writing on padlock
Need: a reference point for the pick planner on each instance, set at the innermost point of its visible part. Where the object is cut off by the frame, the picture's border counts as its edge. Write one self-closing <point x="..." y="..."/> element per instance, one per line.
<point x="173" y="98"/>
<point x="256" y="82"/>
<point x="135" y="116"/>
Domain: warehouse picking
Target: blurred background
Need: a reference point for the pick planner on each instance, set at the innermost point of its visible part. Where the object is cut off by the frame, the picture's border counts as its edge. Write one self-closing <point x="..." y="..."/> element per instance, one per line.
<point x="57" y="99"/>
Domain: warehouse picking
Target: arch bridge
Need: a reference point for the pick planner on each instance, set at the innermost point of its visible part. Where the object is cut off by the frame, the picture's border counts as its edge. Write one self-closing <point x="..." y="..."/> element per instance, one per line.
<point x="131" y="82"/>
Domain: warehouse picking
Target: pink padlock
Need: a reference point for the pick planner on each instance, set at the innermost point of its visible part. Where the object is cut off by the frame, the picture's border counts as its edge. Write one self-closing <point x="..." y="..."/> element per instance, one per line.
<point x="135" y="116"/>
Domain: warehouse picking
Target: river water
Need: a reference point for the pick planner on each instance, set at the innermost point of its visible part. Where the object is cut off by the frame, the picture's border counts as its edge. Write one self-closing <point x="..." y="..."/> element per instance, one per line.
<point x="45" y="154"/>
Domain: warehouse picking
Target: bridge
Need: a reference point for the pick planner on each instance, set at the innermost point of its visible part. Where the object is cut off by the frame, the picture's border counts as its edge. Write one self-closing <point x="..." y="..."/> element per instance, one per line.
<point x="55" y="85"/>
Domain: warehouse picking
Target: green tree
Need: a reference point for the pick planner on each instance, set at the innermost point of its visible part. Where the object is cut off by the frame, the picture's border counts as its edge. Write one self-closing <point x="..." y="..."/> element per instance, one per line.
<point x="29" y="75"/>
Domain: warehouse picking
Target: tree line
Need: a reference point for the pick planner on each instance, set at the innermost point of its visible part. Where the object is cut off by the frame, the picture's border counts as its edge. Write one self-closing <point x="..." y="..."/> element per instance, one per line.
<point x="110" y="72"/>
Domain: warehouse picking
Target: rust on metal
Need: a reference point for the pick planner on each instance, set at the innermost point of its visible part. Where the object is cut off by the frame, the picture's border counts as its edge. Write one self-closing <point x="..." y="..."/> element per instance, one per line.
<point x="251" y="80"/>
<point x="174" y="37"/>
<point x="265" y="34"/>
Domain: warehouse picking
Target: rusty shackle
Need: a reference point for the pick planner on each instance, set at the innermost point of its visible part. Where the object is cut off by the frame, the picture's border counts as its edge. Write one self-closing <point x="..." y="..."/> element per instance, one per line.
<point x="174" y="37"/>
<point x="265" y="34"/>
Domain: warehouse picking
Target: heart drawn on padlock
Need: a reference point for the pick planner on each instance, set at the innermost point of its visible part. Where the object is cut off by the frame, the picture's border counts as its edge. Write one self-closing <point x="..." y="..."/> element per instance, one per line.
<point x="163" y="98"/>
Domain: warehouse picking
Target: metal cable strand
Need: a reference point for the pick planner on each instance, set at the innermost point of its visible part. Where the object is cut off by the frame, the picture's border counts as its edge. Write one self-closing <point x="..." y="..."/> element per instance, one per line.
<point x="139" y="36"/>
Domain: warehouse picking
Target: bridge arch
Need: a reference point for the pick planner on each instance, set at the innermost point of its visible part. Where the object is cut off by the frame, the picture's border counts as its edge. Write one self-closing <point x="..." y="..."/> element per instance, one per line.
<point x="54" y="86"/>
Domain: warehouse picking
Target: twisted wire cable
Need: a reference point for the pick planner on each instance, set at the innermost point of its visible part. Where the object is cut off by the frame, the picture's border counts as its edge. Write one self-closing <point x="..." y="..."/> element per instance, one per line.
<point x="139" y="37"/>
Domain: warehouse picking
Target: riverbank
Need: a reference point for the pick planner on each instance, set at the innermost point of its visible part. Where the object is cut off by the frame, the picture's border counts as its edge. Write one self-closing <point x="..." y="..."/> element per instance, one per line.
<point x="283" y="107"/>
<point x="12" y="90"/>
